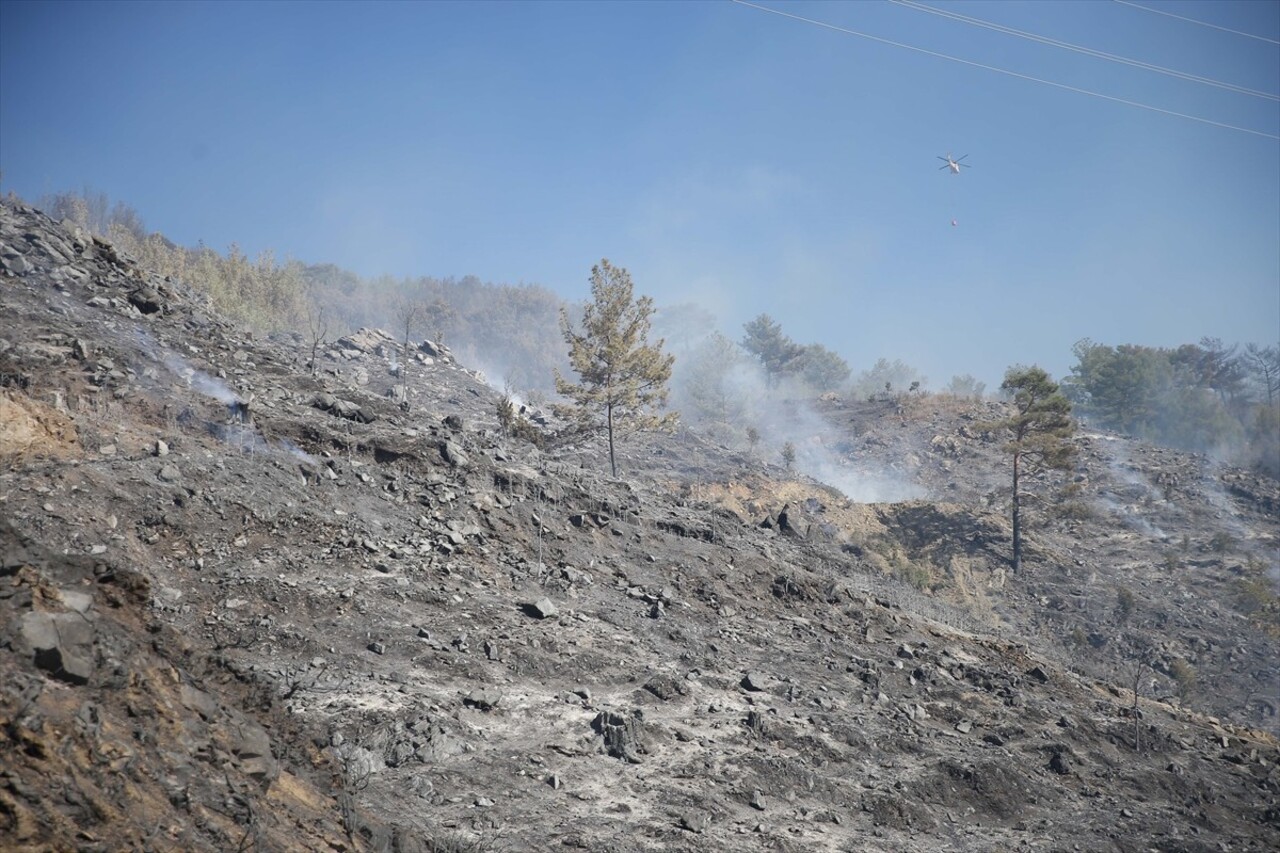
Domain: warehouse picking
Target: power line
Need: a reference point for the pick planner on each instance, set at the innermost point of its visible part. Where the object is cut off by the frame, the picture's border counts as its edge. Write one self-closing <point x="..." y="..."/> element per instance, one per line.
<point x="1005" y="71"/>
<point x="1111" y="57"/>
<point x="1194" y="21"/>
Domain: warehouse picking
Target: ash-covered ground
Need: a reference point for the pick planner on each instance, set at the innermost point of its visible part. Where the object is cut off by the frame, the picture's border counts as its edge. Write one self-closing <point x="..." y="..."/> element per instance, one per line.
<point x="249" y="603"/>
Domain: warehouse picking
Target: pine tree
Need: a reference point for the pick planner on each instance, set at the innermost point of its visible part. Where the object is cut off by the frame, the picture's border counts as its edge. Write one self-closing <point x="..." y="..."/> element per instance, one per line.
<point x="1039" y="430"/>
<point x="777" y="353"/>
<point x="623" y="378"/>
<point x="707" y="382"/>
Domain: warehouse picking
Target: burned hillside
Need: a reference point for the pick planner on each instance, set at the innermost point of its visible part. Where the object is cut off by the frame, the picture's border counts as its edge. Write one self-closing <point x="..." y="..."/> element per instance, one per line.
<point x="254" y="603"/>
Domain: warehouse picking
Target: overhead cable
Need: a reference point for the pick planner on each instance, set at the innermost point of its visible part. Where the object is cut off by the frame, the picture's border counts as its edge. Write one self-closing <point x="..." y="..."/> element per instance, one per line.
<point x="1005" y="71"/>
<point x="1194" y="21"/>
<point x="1111" y="57"/>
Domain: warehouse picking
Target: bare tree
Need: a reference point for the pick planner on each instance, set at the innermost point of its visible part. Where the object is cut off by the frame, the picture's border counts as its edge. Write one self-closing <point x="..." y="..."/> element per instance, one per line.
<point x="1264" y="365"/>
<point x="410" y="312"/>
<point x="317" y="317"/>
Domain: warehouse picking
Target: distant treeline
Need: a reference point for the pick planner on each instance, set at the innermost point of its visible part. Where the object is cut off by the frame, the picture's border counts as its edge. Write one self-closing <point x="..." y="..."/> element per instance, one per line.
<point x="1208" y="397"/>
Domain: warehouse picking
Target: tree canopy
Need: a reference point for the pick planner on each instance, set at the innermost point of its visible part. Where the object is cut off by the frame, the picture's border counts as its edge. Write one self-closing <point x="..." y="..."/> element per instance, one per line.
<point x="776" y="352"/>
<point x="1039" y="430"/>
<point x="622" y="377"/>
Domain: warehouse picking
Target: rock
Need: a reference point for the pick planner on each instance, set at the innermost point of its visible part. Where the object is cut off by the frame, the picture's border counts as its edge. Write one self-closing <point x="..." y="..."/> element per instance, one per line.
<point x="544" y="608"/>
<point x="757" y="801"/>
<point x="453" y="454"/>
<point x="790" y="525"/>
<point x="377" y="648"/>
<point x="667" y="687"/>
<point x="486" y="698"/>
<point x="754" y="681"/>
<point x="1038" y="674"/>
<point x="60" y="643"/>
<point x="696" y="822"/>
<point x="341" y="408"/>
<point x="170" y="473"/>
<point x="252" y="748"/>
<point x="454" y="422"/>
<point x="161" y="448"/>
<point x="147" y="300"/>
<point x="16" y="265"/>
<point x="1058" y="764"/>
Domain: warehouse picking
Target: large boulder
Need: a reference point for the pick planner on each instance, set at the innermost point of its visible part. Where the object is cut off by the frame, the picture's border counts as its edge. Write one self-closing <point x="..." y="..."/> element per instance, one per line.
<point x="60" y="643"/>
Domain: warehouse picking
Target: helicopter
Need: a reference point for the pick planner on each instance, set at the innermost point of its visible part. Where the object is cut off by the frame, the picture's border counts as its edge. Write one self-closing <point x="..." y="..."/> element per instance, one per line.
<point x="953" y="165"/>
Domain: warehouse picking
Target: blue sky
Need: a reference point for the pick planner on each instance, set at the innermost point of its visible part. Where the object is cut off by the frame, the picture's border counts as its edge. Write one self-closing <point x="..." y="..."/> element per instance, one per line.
<point x="724" y="155"/>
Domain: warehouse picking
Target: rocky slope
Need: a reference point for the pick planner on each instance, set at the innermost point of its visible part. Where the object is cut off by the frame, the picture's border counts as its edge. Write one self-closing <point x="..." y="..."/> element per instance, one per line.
<point x="251" y="605"/>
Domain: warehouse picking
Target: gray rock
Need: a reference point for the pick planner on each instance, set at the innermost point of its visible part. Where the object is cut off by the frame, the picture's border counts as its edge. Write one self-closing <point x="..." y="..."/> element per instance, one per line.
<point x="252" y="748"/>
<point x="170" y="473"/>
<point x="486" y="698"/>
<point x="60" y="643"/>
<point x="545" y="608"/>
<point x="16" y="265"/>
<point x="453" y="454"/>
<point x="754" y="681"/>
<point x="696" y="822"/>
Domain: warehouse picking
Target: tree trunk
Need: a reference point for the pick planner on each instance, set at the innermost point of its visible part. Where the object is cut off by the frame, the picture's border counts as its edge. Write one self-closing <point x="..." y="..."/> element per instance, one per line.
<point x="613" y="462"/>
<point x="1017" y="519"/>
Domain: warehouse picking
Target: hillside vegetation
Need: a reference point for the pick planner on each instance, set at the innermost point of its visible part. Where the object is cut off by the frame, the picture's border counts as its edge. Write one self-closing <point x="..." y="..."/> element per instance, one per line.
<point x="1208" y="397"/>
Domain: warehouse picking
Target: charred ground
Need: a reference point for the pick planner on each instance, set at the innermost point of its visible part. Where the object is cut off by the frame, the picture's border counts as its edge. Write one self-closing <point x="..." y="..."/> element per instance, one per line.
<point x="248" y="607"/>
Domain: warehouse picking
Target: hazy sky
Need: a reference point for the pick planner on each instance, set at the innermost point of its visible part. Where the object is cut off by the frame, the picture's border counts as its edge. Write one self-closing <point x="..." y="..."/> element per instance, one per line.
<point x="723" y="154"/>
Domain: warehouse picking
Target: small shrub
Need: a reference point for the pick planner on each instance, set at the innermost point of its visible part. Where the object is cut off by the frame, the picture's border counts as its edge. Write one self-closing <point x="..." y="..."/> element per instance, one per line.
<point x="1075" y="511"/>
<point x="915" y="574"/>
<point x="506" y="414"/>
<point x="1257" y="598"/>
<point x="1221" y="543"/>
<point x="1184" y="675"/>
<point x="788" y="455"/>
<point x="1126" y="602"/>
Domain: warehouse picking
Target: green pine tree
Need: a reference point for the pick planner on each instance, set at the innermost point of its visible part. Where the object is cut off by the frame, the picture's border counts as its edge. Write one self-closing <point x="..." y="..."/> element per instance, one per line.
<point x="776" y="352"/>
<point x="623" y="378"/>
<point x="1039" y="430"/>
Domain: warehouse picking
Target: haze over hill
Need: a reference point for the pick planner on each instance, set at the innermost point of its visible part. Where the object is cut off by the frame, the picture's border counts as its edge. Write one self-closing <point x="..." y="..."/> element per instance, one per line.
<point x="749" y="162"/>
